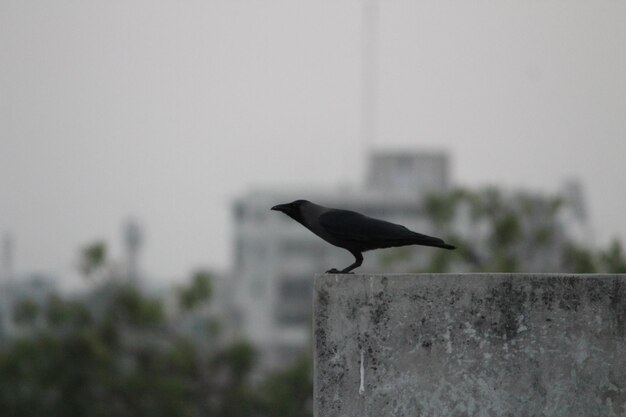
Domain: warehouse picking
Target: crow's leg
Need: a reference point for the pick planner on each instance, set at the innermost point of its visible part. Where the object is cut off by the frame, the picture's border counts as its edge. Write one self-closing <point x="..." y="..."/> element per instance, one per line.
<point x="358" y="261"/>
<point x="358" y="256"/>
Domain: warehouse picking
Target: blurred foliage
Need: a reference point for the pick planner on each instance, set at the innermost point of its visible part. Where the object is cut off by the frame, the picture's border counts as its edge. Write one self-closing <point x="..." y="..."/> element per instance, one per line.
<point x="390" y="257"/>
<point x="197" y="292"/>
<point x="510" y="233"/>
<point x="69" y="313"/>
<point x="113" y="352"/>
<point x="26" y="312"/>
<point x="612" y="259"/>
<point x="577" y="259"/>
<point x="442" y="208"/>
<point x="288" y="393"/>
<point x="131" y="307"/>
<point x="92" y="258"/>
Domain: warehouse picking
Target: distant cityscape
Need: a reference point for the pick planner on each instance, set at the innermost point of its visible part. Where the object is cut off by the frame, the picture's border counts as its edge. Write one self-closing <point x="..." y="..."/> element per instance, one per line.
<point x="266" y="297"/>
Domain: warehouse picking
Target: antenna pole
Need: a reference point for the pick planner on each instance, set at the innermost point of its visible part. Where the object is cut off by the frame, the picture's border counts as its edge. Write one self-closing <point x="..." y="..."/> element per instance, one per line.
<point x="369" y="75"/>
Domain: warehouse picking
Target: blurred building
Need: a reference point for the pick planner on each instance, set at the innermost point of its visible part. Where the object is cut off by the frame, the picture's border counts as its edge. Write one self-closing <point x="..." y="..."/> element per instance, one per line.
<point x="417" y="174"/>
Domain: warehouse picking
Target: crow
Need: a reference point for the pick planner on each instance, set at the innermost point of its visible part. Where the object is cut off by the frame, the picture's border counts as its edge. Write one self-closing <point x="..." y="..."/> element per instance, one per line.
<point x="353" y="231"/>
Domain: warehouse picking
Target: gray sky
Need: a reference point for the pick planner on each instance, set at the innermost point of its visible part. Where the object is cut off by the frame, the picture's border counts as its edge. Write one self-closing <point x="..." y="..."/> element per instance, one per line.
<point x="167" y="110"/>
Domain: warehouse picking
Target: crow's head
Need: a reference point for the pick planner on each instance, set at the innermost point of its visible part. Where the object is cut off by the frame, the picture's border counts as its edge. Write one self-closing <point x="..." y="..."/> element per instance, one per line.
<point x="293" y="209"/>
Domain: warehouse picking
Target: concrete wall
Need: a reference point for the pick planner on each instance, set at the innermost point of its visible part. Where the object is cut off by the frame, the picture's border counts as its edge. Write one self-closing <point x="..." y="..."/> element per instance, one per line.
<point x="470" y="345"/>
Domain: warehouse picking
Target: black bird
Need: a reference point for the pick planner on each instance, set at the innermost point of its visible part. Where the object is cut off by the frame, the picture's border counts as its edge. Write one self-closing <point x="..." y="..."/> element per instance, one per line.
<point x="353" y="231"/>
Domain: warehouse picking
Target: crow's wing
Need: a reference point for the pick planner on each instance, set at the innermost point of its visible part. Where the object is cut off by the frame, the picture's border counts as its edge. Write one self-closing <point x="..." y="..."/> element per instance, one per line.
<point x="368" y="233"/>
<point x="355" y="226"/>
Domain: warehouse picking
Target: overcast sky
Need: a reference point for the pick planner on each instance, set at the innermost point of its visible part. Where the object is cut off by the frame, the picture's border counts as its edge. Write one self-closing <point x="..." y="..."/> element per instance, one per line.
<point x="167" y="110"/>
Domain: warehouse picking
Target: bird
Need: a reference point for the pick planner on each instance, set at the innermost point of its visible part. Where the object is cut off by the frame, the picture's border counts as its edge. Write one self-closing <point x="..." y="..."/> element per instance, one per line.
<point x="355" y="232"/>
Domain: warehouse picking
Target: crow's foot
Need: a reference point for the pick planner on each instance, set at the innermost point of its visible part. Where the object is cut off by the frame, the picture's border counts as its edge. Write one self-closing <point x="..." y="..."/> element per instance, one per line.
<point x="336" y="271"/>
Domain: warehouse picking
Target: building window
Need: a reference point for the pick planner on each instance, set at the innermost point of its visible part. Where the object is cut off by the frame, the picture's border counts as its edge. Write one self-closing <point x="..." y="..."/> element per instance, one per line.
<point x="295" y="289"/>
<point x="294" y="301"/>
<point x="291" y="318"/>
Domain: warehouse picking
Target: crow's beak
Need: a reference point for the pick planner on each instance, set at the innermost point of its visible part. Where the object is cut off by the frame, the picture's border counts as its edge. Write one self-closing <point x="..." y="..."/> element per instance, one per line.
<point x="280" y="207"/>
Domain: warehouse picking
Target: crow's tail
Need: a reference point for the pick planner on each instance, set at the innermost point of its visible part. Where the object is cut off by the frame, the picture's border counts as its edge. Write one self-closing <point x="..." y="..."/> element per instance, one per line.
<point x="424" y="240"/>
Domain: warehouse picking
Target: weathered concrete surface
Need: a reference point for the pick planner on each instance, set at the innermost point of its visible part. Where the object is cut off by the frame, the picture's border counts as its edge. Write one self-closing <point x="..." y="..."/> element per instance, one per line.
<point x="470" y="345"/>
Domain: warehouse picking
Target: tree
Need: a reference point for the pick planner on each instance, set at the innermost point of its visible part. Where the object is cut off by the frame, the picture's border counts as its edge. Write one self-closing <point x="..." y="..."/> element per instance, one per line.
<point x="512" y="232"/>
<point x="612" y="259"/>
<point x="92" y="258"/>
<point x="197" y="292"/>
<point x="288" y="392"/>
<point x="112" y="352"/>
<point x="26" y="312"/>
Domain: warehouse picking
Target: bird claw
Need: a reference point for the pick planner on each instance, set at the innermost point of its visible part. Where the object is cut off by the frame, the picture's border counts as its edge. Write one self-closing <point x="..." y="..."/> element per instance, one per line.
<point x="336" y="271"/>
